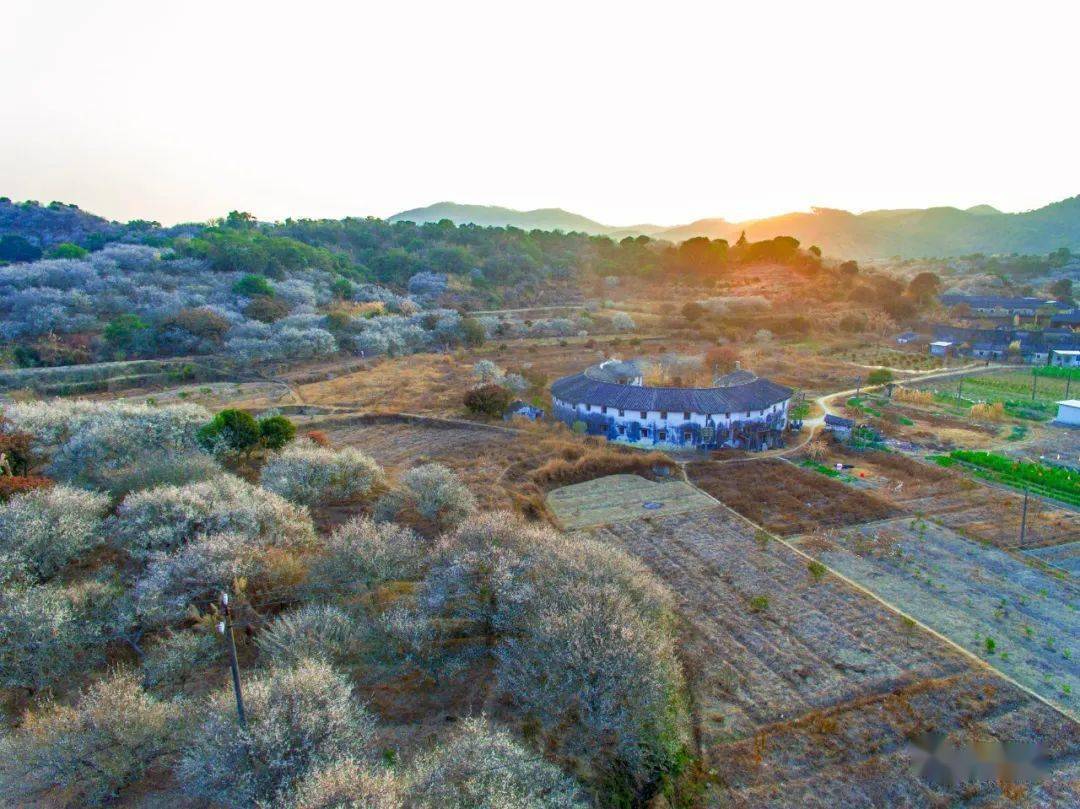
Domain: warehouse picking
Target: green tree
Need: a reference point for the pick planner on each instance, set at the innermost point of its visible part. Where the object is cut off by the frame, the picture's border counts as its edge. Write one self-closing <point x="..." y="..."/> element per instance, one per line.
<point x="276" y="431"/>
<point x="879" y="376"/>
<point x="231" y="429"/>
<point x="472" y="332"/>
<point x="67" y="250"/>
<point x="16" y="248"/>
<point x="251" y="285"/>
<point x="123" y="330"/>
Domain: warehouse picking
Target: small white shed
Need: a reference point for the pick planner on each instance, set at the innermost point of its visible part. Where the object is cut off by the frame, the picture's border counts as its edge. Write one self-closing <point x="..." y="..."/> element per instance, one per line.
<point x="1069" y="412"/>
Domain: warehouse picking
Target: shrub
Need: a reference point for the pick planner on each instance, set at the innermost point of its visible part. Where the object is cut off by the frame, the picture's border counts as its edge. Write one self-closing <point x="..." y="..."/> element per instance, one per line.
<point x="192" y="578"/>
<point x="266" y="309"/>
<point x="528" y="596"/>
<point x="487" y="371"/>
<point x="251" y="285"/>
<point x="298" y="719"/>
<point x="362" y="553"/>
<point x="106" y="742"/>
<point x="488" y="400"/>
<point x="43" y="632"/>
<point x="49" y="527"/>
<point x="759" y="603"/>
<point x="879" y="376"/>
<point x="309" y="474"/>
<point x="276" y="431"/>
<point x="314" y="631"/>
<point x="817" y="570"/>
<point x="482" y="766"/>
<point x="165" y="517"/>
<point x="11" y="485"/>
<point x="168" y="663"/>
<point x="230" y="430"/>
<point x="348" y="784"/>
<point x="431" y="494"/>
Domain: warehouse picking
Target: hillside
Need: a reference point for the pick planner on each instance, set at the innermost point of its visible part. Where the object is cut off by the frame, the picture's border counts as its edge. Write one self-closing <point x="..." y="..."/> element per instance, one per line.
<point x="909" y="233"/>
<point x="539" y="219"/>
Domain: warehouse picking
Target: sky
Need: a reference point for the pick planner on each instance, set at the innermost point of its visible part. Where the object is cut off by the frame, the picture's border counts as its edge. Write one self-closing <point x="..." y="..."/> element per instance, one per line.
<point x="625" y="112"/>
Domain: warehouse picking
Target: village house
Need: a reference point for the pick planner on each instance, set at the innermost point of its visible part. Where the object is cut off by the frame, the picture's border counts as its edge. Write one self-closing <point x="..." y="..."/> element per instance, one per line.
<point x="611" y="399"/>
<point x="997" y="306"/>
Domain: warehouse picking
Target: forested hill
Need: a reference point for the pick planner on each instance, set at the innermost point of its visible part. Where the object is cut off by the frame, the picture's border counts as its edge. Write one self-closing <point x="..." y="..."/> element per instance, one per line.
<point x="909" y="233"/>
<point x="539" y="219"/>
<point x="29" y="230"/>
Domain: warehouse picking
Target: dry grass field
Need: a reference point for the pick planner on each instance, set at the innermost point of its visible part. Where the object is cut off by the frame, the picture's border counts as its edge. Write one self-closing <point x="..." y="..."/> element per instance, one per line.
<point x="784" y="498"/>
<point x="805" y="691"/>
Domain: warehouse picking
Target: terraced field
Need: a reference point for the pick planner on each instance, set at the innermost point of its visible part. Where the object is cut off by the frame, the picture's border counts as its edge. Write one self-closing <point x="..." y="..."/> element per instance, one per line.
<point x="1024" y="621"/>
<point x="805" y="692"/>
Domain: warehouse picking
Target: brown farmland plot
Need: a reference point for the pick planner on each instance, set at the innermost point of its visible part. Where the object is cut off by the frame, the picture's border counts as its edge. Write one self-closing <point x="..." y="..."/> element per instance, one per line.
<point x="805" y="692"/>
<point x="785" y="498"/>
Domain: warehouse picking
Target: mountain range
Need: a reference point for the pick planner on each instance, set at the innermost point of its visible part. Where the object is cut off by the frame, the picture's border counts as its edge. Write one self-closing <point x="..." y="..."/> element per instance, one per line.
<point x="908" y="233"/>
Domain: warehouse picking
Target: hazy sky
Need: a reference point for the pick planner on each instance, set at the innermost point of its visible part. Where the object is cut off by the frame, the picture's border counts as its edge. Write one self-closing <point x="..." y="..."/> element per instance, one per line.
<point x="626" y="112"/>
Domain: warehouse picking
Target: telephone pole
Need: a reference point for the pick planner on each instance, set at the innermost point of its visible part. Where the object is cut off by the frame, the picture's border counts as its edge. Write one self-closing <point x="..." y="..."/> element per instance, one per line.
<point x="1023" y="518"/>
<point x="226" y="629"/>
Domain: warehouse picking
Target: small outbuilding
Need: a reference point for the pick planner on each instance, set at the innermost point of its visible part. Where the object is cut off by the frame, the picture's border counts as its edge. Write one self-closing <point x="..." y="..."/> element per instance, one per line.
<point x="523" y="410"/>
<point x="942" y="348"/>
<point x="907" y="337"/>
<point x="1065" y="358"/>
<point x="1069" y="412"/>
<point x="839" y="425"/>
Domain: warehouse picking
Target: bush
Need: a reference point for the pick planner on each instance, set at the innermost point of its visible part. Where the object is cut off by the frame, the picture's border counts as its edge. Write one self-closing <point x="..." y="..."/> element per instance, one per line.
<point x="348" y="784"/>
<point x="251" y="285"/>
<point x="166" y="517"/>
<point x="309" y="474"/>
<point x="231" y="430"/>
<point x="488" y="400"/>
<point x="621" y="321"/>
<point x="107" y="741"/>
<point x="487" y="371"/>
<point x="362" y="553"/>
<point x="49" y="527"/>
<point x="429" y="494"/>
<point x="316" y="632"/>
<point x="276" y="431"/>
<point x="482" y="766"/>
<point x="298" y="720"/>
<point x="528" y="596"/>
<point x="192" y="578"/>
<point x="176" y="657"/>
<point x="266" y="309"/>
<point x="11" y="485"/>
<point x="879" y="376"/>
<point x="44" y="633"/>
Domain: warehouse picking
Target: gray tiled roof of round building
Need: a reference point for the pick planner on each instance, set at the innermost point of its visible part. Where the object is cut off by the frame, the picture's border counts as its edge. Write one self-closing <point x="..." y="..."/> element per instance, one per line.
<point x="743" y="392"/>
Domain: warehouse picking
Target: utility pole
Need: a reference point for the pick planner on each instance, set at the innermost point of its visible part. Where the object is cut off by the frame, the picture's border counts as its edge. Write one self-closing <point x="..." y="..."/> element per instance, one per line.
<point x="1034" y="383"/>
<point x="960" y="390"/>
<point x="226" y="628"/>
<point x="1023" y="519"/>
<point x="1068" y="382"/>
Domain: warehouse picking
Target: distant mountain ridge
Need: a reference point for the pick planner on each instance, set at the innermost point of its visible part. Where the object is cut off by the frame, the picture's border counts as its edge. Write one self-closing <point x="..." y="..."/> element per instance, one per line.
<point x="909" y="233"/>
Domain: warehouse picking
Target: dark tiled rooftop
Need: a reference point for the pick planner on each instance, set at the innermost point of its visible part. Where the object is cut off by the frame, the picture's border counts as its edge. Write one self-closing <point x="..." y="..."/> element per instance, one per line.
<point x="738" y="392"/>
